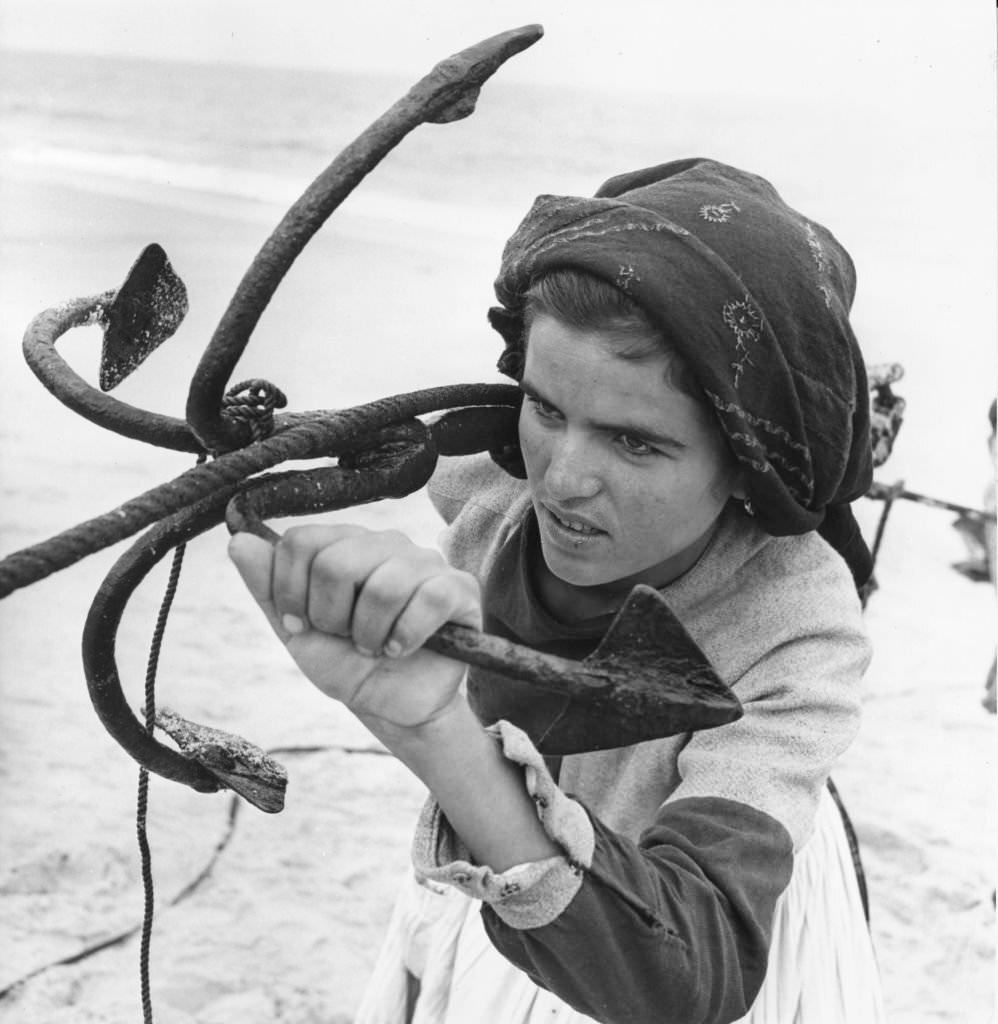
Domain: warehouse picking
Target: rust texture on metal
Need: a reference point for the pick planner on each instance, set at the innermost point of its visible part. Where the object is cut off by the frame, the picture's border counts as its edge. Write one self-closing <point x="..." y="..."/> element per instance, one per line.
<point x="654" y="681"/>
<point x="238" y="765"/>
<point x="647" y="678"/>
<point x="147" y="309"/>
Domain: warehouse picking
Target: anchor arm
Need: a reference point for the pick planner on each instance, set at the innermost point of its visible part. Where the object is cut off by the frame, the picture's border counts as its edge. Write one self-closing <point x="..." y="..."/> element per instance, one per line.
<point x="447" y="93"/>
<point x="407" y="454"/>
<point x="74" y="392"/>
<point x="302" y="436"/>
<point x="100" y="637"/>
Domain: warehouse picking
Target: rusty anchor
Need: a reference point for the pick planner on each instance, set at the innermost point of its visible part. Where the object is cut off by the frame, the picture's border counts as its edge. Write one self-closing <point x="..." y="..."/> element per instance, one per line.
<point x="648" y="677"/>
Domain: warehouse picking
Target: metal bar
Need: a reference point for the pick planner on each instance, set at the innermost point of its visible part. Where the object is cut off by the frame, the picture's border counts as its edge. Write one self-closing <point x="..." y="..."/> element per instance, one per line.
<point x="885" y="492"/>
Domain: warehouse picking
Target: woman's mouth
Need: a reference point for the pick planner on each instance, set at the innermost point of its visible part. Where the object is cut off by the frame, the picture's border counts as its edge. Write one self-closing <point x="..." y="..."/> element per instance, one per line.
<point x="569" y="528"/>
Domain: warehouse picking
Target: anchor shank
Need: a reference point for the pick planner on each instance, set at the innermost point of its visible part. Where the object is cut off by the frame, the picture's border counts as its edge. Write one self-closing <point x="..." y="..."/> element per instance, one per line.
<point x="559" y="675"/>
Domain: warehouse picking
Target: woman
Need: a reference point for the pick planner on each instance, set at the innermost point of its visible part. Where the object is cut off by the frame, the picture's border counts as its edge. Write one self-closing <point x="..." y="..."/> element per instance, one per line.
<point x="695" y="418"/>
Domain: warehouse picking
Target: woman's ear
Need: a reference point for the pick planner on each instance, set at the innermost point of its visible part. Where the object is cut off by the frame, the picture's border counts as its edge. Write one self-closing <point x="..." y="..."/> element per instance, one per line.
<point x="738" y="489"/>
<point x="739" y="492"/>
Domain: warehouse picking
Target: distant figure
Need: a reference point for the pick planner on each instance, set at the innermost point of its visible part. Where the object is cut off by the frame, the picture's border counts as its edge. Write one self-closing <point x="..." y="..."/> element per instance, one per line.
<point x="989" y="701"/>
<point x="977" y="533"/>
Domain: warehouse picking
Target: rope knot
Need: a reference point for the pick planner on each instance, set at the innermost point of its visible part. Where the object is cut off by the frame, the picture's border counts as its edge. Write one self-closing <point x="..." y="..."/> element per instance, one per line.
<point x="253" y="402"/>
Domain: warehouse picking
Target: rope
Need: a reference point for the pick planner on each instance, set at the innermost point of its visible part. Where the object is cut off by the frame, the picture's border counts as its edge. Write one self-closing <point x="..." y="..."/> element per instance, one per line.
<point x="142" y="803"/>
<point x="147" y="892"/>
<point x="253" y="402"/>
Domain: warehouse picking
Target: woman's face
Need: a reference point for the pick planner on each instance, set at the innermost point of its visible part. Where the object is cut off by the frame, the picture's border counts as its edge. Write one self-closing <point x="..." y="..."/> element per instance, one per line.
<point x="627" y="474"/>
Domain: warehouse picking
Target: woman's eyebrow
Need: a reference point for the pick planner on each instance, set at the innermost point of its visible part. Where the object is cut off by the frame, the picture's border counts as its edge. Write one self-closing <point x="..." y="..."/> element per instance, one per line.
<point x="528" y="389"/>
<point x="643" y="431"/>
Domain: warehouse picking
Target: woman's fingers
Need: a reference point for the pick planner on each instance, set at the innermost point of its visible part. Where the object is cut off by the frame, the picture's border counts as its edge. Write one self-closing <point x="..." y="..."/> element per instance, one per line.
<point x="294" y="554"/>
<point x="443" y="597"/>
<point x="407" y="597"/>
<point x="253" y="557"/>
<point x="377" y="588"/>
<point x="340" y="597"/>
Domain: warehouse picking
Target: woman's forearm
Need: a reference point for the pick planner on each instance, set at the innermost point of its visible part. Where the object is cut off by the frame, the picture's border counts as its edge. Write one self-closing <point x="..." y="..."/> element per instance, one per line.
<point x="480" y="792"/>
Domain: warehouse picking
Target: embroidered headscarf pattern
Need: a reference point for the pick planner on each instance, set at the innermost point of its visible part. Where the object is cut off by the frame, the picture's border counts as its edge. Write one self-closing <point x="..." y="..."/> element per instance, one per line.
<point x="820" y="262"/>
<point x="814" y="243"/>
<point x="718" y="213"/>
<point x="625" y="276"/>
<point x="746" y="323"/>
<point x="732" y="283"/>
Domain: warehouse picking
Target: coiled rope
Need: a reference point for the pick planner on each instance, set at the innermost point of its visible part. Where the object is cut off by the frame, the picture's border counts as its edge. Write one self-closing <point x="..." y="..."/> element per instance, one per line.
<point x="253" y="402"/>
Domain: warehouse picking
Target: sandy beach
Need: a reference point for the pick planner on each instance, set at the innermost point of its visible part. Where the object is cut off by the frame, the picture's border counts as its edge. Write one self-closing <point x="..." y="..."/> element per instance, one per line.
<point x="286" y="924"/>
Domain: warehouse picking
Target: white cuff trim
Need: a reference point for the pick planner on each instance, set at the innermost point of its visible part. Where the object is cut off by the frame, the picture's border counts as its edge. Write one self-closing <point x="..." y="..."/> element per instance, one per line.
<point x="526" y="895"/>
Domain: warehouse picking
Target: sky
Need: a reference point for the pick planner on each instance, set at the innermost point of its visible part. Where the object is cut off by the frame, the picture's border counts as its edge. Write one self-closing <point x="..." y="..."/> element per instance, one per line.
<point x="767" y="47"/>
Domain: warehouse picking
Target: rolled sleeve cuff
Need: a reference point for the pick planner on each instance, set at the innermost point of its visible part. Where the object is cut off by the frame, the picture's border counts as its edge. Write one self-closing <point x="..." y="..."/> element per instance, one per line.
<point x="527" y="895"/>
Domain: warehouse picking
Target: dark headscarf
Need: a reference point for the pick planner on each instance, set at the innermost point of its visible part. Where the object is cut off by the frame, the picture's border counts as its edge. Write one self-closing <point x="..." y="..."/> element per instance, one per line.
<point x="755" y="297"/>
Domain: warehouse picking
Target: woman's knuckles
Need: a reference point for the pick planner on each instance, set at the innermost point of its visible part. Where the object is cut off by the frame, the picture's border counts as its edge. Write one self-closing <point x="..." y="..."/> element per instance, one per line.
<point x="440" y="594"/>
<point x="330" y="612"/>
<point x="333" y="566"/>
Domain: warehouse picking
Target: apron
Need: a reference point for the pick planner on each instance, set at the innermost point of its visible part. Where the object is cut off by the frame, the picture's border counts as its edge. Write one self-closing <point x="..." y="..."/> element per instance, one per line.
<point x="822" y="968"/>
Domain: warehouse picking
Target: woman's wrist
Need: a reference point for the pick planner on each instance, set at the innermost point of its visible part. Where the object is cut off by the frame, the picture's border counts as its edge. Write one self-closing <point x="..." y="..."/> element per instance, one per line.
<point x="412" y="741"/>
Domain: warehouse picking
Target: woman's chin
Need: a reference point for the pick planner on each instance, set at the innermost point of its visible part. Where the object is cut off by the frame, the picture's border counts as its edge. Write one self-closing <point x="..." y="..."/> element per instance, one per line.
<point x="576" y="569"/>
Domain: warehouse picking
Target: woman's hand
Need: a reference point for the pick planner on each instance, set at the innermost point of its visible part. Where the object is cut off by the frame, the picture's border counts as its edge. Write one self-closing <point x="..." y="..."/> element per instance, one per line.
<point x="353" y="608"/>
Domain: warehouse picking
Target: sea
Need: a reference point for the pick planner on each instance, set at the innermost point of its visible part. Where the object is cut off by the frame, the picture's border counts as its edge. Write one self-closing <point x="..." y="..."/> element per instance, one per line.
<point x="264" y="133"/>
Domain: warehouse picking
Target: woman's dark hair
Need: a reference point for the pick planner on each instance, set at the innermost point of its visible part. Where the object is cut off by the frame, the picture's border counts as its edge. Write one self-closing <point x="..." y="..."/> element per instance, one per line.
<point x="588" y="303"/>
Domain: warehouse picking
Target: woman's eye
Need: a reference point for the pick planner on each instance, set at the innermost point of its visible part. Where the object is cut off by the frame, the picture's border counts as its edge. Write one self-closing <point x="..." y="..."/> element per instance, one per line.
<point x="542" y="408"/>
<point x="635" y="446"/>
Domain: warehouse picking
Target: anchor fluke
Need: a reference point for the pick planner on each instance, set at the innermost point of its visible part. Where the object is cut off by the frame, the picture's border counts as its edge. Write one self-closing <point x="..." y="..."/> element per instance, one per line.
<point x="648" y="679"/>
<point x="473" y="66"/>
<point x="146" y="310"/>
<point x="236" y="763"/>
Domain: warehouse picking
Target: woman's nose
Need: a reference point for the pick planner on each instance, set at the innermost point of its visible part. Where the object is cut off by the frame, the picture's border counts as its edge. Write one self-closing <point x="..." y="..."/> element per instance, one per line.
<point x="571" y="470"/>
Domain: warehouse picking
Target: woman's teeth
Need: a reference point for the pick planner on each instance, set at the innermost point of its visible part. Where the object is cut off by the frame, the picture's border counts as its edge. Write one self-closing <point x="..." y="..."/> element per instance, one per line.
<point x="575" y="527"/>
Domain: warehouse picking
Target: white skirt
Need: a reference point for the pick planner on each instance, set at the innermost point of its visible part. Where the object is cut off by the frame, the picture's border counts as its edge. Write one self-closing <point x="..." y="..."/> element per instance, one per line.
<point x="822" y="968"/>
